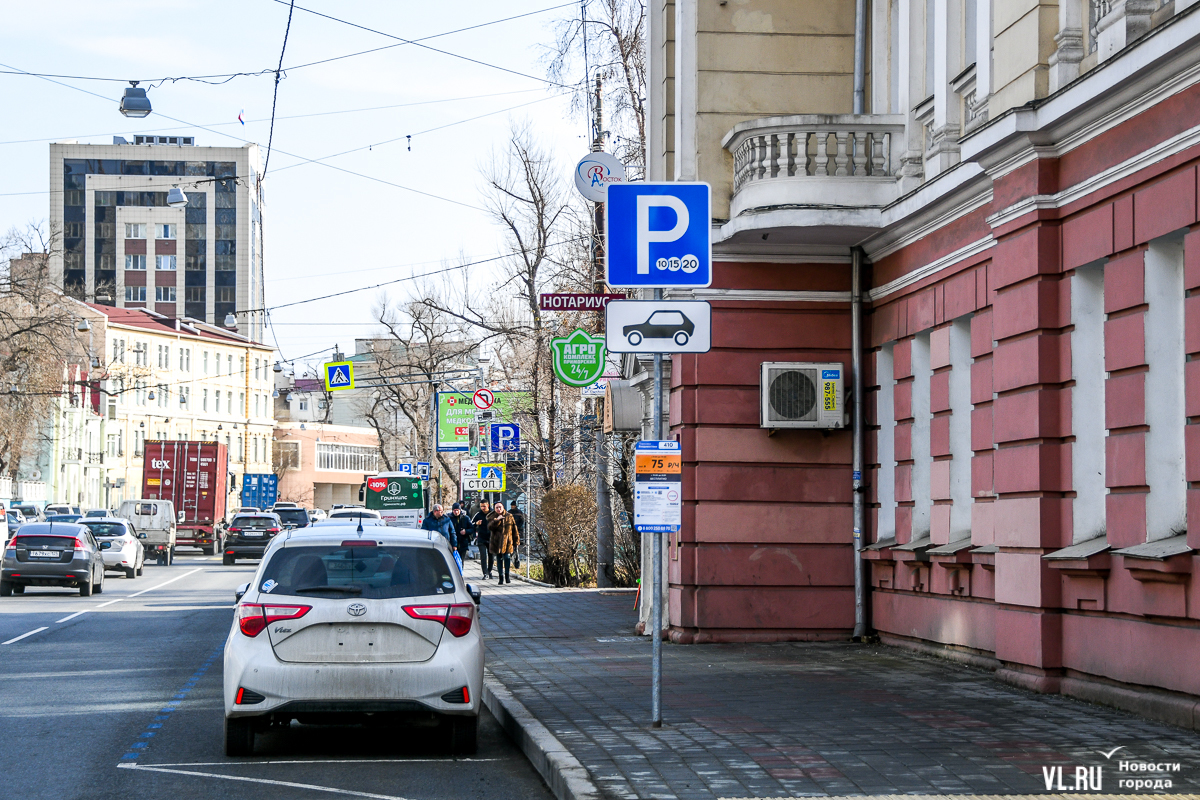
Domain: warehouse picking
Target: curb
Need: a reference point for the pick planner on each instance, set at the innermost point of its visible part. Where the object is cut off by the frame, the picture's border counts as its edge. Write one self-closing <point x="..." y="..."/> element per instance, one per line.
<point x="523" y="579"/>
<point x="562" y="772"/>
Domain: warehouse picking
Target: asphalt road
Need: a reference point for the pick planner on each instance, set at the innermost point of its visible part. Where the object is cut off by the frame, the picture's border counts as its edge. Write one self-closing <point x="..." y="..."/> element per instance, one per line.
<point x="118" y="695"/>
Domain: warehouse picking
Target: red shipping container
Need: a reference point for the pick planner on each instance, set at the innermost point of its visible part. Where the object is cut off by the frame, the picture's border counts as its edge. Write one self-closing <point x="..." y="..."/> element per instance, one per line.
<point x="193" y="476"/>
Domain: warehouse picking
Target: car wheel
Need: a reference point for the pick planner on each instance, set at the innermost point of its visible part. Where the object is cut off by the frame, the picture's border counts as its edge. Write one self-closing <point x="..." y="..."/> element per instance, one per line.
<point x="239" y="737"/>
<point x="6" y="589"/>
<point x="227" y="561"/>
<point x="85" y="589"/>
<point x="681" y="338"/>
<point x="130" y="572"/>
<point x="142" y="565"/>
<point x="461" y="734"/>
<point x="634" y="338"/>
<point x="99" y="586"/>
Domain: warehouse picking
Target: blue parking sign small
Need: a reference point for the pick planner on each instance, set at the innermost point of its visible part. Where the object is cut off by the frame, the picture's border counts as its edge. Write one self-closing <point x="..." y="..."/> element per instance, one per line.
<point x="659" y="234"/>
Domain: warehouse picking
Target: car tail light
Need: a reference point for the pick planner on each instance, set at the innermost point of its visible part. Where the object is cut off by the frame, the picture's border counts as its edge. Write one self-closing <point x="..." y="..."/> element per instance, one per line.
<point x="78" y="544"/>
<point x="235" y="530"/>
<point x="457" y="618"/>
<point x="253" y="618"/>
<point x="245" y="697"/>
<point x="272" y="530"/>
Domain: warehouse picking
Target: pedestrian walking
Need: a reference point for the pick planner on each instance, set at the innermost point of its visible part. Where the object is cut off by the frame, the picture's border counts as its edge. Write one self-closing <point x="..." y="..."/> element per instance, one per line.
<point x="483" y="537"/>
<point x="462" y="530"/>
<point x="440" y="522"/>
<point x="518" y="517"/>
<point x="504" y="541"/>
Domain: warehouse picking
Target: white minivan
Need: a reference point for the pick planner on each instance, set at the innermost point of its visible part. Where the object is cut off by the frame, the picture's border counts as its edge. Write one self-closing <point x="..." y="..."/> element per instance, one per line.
<point x="154" y="523"/>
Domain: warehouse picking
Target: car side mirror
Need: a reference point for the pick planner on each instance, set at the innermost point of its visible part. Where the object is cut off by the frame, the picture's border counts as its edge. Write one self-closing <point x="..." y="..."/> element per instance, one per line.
<point x="240" y="591"/>
<point x="141" y="536"/>
<point x="476" y="595"/>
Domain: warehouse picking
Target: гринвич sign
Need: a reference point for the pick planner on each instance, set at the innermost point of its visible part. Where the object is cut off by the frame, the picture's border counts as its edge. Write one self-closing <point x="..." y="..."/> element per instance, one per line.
<point x="576" y="302"/>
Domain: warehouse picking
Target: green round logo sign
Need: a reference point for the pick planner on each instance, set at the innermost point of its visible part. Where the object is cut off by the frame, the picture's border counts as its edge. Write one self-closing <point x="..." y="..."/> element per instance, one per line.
<point x="578" y="358"/>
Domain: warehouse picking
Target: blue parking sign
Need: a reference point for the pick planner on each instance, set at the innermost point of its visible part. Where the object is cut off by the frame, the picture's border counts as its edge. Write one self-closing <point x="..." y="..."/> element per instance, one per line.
<point x="659" y="234"/>
<point x="506" y="438"/>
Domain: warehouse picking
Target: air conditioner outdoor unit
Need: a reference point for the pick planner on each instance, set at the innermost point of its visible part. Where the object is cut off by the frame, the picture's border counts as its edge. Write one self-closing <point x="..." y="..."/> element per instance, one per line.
<point x="801" y="395"/>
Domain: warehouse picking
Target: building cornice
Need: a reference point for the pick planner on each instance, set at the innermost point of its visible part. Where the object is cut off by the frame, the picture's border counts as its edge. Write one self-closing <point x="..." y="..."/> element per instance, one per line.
<point x="933" y="267"/>
<point x="759" y="295"/>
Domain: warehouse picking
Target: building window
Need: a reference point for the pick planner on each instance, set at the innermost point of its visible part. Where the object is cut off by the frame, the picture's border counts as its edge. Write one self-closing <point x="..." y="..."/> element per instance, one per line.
<point x="922" y="459"/>
<point x="163" y="395"/>
<point x="113" y="446"/>
<point x="204" y="399"/>
<point x="256" y="449"/>
<point x="141" y="354"/>
<point x="256" y="405"/>
<point x="241" y="365"/>
<point x="135" y="230"/>
<point x="229" y="364"/>
<point x="885" y="408"/>
<point x="217" y="362"/>
<point x="237" y="456"/>
<point x="226" y="294"/>
<point x="287" y="456"/>
<point x="204" y="361"/>
<point x="185" y="397"/>
<point x="139" y="441"/>
<point x="185" y="359"/>
<point x="304" y="405"/>
<point x="164" y="294"/>
<point x="241" y="401"/>
<point x="135" y="262"/>
<point x="164" y="262"/>
<point x="960" y="428"/>
<point x="1166" y="506"/>
<point x="347" y="457"/>
<point x="256" y="363"/>
<point x="194" y="294"/>
<point x="135" y="294"/>
<point x="164" y="231"/>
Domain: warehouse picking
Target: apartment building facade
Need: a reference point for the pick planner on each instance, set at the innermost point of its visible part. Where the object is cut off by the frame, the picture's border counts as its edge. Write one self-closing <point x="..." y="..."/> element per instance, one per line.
<point x="123" y="246"/>
<point x="1022" y="187"/>
<point x="170" y="378"/>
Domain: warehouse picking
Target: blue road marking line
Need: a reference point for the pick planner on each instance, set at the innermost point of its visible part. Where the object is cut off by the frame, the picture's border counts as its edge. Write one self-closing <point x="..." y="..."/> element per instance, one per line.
<point x="173" y="705"/>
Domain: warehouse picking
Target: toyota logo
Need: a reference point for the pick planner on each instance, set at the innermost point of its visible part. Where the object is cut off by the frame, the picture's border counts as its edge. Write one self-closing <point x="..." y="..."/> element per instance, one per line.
<point x="356" y="609"/>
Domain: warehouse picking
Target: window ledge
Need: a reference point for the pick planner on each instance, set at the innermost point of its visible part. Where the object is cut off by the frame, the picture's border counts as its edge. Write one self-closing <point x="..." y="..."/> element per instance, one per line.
<point x="950" y="555"/>
<point x="1159" y="550"/>
<point x="1091" y="556"/>
<point x="985" y="556"/>
<point x="914" y="550"/>
<point x="1162" y="561"/>
<point x="879" y="551"/>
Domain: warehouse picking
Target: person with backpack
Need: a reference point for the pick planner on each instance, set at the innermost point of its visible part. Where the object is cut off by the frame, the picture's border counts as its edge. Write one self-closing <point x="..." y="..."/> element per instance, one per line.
<point x="463" y="530"/>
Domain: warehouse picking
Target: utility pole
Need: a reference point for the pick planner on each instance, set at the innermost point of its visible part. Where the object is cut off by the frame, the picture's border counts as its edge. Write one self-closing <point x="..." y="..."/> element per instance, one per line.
<point x="604" y="523"/>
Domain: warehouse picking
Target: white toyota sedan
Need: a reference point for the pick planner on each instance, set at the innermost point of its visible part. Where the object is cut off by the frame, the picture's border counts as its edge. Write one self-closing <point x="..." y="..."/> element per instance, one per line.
<point x="350" y="623"/>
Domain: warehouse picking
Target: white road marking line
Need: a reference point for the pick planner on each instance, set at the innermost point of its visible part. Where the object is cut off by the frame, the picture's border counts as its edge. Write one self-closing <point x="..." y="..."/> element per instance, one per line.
<point x="289" y="784"/>
<point x="447" y="760"/>
<point x="164" y="583"/>
<point x="86" y="610"/>
<point x="23" y="635"/>
<point x="110" y="602"/>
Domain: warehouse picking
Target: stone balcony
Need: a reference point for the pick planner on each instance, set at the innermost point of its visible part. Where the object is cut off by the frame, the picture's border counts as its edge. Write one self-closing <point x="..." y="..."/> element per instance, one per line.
<point x="814" y="178"/>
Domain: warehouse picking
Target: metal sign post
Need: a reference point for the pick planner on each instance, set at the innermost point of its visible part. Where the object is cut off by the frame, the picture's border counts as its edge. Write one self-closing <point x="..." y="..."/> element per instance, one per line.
<point x="657" y="509"/>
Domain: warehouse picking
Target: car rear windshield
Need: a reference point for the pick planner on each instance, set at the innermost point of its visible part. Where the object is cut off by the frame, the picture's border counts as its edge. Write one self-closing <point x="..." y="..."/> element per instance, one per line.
<point x="56" y="542"/>
<point x="372" y="572"/>
<point x="293" y="516"/>
<point x="106" y="528"/>
<point x="254" y="523"/>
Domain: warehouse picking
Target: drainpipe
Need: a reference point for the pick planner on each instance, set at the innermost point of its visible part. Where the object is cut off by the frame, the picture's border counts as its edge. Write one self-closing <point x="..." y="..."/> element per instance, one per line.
<point x="860" y="56"/>
<point x="856" y="367"/>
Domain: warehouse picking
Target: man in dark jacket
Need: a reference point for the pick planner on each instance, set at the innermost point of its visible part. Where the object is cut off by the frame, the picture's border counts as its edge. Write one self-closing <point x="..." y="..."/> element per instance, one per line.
<point x="482" y="537"/>
<point x="462" y="530"/>
<point x="440" y="522"/>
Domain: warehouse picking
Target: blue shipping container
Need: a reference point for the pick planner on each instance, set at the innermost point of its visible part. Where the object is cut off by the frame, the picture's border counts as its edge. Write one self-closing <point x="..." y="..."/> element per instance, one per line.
<point x="260" y="491"/>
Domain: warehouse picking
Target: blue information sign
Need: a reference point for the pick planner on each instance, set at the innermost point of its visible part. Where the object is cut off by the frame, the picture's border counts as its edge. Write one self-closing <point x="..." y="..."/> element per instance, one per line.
<point x="659" y="234"/>
<point x="506" y="437"/>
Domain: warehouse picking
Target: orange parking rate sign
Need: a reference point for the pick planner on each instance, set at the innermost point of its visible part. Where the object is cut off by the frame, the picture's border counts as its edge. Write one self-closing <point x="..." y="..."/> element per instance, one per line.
<point x="658" y="487"/>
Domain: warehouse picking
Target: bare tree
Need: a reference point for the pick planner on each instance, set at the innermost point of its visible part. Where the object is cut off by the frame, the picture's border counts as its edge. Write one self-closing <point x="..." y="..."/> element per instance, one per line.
<point x="615" y="43"/>
<point x="38" y="337"/>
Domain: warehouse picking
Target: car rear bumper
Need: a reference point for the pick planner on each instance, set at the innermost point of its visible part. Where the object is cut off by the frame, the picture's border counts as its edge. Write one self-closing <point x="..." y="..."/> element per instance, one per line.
<point x="117" y="559"/>
<point x="348" y="689"/>
<point x="40" y="575"/>
<point x="245" y="550"/>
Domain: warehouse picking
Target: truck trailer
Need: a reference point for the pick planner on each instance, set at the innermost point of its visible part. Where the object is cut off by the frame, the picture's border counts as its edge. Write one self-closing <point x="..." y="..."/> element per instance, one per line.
<point x="193" y="476"/>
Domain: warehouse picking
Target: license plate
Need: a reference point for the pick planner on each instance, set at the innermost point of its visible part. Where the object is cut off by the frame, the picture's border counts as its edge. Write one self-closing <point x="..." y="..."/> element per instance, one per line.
<point x="250" y="533"/>
<point x="44" y="553"/>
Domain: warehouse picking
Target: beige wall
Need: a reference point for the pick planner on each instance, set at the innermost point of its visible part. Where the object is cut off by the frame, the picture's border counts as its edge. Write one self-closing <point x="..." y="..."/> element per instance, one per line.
<point x="316" y="488"/>
<point x="1024" y="31"/>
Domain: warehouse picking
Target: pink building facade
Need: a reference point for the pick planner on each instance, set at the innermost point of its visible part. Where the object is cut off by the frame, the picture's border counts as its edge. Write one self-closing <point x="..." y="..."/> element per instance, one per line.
<point x="1032" y="322"/>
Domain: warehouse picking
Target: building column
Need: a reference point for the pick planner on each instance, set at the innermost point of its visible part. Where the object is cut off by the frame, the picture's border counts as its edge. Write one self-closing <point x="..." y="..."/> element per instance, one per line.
<point x="1064" y="62"/>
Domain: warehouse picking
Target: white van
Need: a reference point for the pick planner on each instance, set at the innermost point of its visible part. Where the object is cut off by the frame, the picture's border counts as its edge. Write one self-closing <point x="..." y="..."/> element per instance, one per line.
<point x="154" y="523"/>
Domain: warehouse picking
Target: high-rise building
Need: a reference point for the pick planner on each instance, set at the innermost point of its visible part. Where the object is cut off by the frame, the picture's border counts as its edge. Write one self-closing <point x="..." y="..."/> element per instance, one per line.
<point x="122" y="245"/>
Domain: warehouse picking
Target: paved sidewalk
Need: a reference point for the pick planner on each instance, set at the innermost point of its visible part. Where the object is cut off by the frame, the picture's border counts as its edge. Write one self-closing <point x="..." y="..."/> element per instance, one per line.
<point x="784" y="720"/>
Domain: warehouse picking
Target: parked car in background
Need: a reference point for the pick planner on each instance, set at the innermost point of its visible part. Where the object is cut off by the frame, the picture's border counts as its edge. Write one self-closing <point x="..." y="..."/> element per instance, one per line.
<point x="317" y="514"/>
<point x="99" y="512"/>
<point x="388" y="614"/>
<point x="283" y="504"/>
<point x="120" y="549"/>
<point x="64" y="554"/>
<point x="62" y="508"/>
<point x="244" y="510"/>
<point x="330" y="523"/>
<point x="31" y="512"/>
<point x="15" y="521"/>
<point x="63" y="517"/>
<point x="248" y="536"/>
<point x="4" y="531"/>
<point x="154" y="521"/>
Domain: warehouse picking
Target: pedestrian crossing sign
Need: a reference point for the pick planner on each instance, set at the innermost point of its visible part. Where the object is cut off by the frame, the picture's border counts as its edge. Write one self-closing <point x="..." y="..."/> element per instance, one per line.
<point x="339" y="375"/>
<point x="491" y="477"/>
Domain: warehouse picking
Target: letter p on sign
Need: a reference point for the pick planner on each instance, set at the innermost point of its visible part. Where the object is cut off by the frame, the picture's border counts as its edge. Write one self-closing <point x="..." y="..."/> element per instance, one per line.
<point x="659" y="235"/>
<point x="645" y="236"/>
